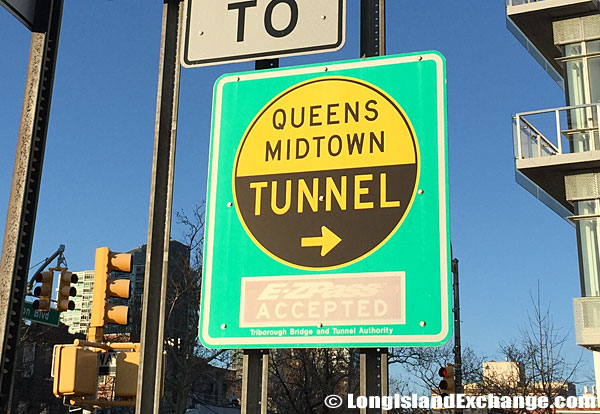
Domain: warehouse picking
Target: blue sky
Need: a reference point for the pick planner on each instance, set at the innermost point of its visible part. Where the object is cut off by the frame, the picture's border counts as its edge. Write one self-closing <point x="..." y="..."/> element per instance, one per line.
<point x="97" y="168"/>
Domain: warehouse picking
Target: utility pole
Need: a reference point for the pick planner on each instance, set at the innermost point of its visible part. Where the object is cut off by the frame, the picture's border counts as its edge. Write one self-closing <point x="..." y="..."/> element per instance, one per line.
<point x="25" y="188"/>
<point x="159" y="222"/>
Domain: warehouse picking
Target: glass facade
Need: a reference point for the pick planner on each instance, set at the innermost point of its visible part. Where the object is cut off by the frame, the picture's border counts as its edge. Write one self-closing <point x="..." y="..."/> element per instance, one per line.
<point x="78" y="320"/>
<point x="582" y="70"/>
<point x="588" y="234"/>
<point x="582" y="75"/>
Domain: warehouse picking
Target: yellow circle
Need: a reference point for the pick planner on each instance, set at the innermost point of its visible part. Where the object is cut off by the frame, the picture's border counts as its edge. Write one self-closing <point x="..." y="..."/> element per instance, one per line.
<point x="329" y="158"/>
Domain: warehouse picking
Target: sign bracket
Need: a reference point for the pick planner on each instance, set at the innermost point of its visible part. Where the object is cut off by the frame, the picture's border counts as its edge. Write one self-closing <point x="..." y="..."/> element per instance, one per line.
<point x="266" y="64"/>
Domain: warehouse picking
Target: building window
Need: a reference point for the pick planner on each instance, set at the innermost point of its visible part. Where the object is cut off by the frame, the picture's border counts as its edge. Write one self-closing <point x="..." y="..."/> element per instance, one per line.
<point x="582" y="67"/>
<point x="588" y="232"/>
<point x="28" y="360"/>
<point x="582" y="74"/>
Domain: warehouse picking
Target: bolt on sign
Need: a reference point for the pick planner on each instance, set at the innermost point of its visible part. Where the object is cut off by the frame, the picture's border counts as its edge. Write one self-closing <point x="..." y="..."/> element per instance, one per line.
<point x="327" y="218"/>
<point x="225" y="31"/>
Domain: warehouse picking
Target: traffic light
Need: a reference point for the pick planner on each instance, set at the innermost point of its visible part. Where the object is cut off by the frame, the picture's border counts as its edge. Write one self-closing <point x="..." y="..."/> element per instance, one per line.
<point x="446" y="385"/>
<point x="126" y="374"/>
<point x="43" y="292"/>
<point x="63" y="303"/>
<point x="106" y="287"/>
<point x="75" y="371"/>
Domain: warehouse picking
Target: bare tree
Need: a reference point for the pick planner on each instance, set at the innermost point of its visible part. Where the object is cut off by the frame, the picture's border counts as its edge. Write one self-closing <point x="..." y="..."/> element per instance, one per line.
<point x="539" y="363"/>
<point x="424" y="363"/>
<point x="187" y="359"/>
<point x="300" y="379"/>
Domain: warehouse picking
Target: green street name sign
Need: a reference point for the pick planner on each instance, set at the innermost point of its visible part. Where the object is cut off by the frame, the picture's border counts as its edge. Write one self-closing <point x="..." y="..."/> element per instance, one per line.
<point x="48" y="318"/>
<point x="327" y="207"/>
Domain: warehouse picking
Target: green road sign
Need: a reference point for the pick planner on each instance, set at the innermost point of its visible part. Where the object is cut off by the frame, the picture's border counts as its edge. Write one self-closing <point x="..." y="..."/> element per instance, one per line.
<point x="327" y="207"/>
<point x="48" y="318"/>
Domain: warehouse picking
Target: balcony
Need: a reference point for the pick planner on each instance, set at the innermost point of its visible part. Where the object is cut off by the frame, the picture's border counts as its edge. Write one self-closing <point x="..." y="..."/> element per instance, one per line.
<point x="553" y="143"/>
<point x="587" y="322"/>
<point x="530" y="22"/>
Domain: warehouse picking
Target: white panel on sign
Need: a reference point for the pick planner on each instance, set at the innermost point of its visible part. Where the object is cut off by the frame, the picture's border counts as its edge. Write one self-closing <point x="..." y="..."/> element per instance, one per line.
<point x="225" y="31"/>
<point x="107" y="363"/>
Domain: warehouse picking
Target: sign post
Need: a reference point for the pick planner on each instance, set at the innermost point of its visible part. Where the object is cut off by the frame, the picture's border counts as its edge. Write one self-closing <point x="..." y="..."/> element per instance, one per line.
<point x="327" y="220"/>
<point x="159" y="222"/>
<point x="26" y="181"/>
<point x="374" y="378"/>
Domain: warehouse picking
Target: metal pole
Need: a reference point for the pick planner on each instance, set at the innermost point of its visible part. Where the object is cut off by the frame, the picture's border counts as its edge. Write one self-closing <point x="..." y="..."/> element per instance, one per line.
<point x="519" y="142"/>
<point x="558" y="131"/>
<point x="372" y="28"/>
<point x="598" y="118"/>
<point x="384" y="381"/>
<point x="373" y="375"/>
<point x="596" y="359"/>
<point x="25" y="188"/>
<point x="252" y="366"/>
<point x="159" y="222"/>
<point x="457" y="347"/>
<point x="253" y="385"/>
<point x="373" y="362"/>
<point x="264" y="382"/>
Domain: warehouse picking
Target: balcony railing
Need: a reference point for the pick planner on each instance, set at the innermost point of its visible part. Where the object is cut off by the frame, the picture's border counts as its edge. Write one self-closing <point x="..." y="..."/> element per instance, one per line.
<point x="566" y="130"/>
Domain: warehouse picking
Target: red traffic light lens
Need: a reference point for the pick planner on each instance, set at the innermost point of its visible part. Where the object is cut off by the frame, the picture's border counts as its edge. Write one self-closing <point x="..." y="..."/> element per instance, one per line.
<point x="443" y="372"/>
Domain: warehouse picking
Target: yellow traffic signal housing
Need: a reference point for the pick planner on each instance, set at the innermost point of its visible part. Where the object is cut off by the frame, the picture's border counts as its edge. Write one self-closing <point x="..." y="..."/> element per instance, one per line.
<point x="63" y="303"/>
<point x="75" y="371"/>
<point x="127" y="374"/>
<point x="447" y="383"/>
<point x="43" y="292"/>
<point x="106" y="287"/>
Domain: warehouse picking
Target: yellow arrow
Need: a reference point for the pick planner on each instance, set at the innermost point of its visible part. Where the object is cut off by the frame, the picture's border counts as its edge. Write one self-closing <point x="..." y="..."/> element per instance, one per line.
<point x="327" y="240"/>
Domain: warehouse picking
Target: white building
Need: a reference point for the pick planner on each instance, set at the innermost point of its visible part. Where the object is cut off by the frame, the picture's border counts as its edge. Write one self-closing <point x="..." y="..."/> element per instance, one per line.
<point x="557" y="150"/>
<point x="78" y="320"/>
